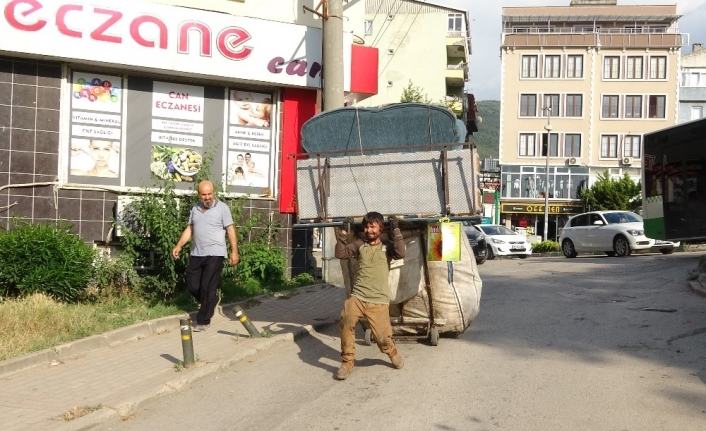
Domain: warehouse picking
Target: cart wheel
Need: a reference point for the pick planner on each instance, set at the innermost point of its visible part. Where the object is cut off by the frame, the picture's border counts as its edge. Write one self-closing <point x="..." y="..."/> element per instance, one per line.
<point x="434" y="337"/>
<point x="368" y="337"/>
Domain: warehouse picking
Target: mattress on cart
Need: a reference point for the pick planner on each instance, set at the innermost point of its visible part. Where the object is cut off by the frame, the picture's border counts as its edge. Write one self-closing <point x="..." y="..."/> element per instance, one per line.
<point x="395" y="125"/>
<point x="390" y="183"/>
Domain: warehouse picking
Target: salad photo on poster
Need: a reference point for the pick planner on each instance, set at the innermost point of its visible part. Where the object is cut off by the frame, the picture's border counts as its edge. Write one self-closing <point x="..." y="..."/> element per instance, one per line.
<point x="175" y="163"/>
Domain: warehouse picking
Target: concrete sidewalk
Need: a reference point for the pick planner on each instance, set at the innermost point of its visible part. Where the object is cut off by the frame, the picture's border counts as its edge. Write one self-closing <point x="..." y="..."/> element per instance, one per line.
<point x="120" y="378"/>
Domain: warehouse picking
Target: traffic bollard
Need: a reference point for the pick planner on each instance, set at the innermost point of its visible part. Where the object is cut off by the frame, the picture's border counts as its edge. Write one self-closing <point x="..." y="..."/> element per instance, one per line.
<point x="187" y="343"/>
<point x="244" y="320"/>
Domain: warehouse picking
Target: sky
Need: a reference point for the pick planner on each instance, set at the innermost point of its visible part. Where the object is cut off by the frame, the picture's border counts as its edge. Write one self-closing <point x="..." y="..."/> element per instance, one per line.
<point x="485" y="34"/>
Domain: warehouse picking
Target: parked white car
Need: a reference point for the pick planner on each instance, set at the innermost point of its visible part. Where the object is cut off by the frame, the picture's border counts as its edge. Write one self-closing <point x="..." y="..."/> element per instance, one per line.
<point x="505" y="242"/>
<point x="616" y="233"/>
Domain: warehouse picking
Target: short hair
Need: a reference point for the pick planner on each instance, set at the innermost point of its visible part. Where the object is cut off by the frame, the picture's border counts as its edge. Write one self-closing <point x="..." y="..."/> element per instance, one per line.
<point x="374" y="217"/>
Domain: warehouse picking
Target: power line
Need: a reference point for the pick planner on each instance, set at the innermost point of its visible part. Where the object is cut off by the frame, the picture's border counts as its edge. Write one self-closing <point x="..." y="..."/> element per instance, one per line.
<point x="376" y="12"/>
<point x="401" y="40"/>
<point x="378" y="38"/>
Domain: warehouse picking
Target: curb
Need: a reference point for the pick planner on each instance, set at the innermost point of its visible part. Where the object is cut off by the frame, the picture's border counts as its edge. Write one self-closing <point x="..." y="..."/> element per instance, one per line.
<point x="134" y="332"/>
<point x="138" y="402"/>
<point x="698" y="288"/>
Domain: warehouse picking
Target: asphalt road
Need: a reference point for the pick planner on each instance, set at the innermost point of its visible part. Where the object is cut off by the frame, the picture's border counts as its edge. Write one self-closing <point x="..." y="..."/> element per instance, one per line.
<point x="593" y="343"/>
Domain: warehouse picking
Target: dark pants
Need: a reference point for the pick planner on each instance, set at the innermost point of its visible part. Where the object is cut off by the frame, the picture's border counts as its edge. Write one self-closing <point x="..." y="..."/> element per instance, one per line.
<point x="203" y="277"/>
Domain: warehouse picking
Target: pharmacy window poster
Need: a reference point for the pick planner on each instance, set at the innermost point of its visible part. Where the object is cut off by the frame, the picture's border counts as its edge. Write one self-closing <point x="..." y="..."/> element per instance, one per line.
<point x="249" y="145"/>
<point x="96" y="127"/>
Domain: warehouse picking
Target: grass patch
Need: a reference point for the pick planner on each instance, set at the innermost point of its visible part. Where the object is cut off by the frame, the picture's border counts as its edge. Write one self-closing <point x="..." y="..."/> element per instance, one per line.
<point x="37" y="322"/>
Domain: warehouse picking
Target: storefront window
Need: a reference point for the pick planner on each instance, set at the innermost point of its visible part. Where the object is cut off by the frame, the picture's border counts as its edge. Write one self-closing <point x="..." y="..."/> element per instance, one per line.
<point x="172" y="130"/>
<point x="531" y="182"/>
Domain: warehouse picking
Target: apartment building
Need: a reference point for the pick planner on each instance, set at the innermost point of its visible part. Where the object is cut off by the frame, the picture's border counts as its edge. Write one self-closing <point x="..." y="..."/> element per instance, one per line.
<point x="692" y="90"/>
<point x="96" y="97"/>
<point x="580" y="85"/>
<point x="422" y="42"/>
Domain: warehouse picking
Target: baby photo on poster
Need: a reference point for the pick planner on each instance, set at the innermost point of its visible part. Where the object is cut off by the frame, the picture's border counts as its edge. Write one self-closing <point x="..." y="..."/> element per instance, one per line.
<point x="250" y="109"/>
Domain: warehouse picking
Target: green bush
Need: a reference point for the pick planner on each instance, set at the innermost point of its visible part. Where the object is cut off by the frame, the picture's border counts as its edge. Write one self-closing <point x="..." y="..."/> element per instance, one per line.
<point x="258" y="261"/>
<point x="303" y="279"/>
<point x="545" y="247"/>
<point x="153" y="223"/>
<point x="113" y="277"/>
<point x="44" y="258"/>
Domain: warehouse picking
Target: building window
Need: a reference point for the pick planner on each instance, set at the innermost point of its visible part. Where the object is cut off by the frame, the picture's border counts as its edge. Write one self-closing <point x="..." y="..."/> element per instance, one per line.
<point x="551" y="103"/>
<point x="529" y="66"/>
<point x="552" y="66"/>
<point x="631" y="146"/>
<point x="527" y="144"/>
<point x="633" y="106"/>
<point x="574" y="66"/>
<point x="609" y="146"/>
<point x="697" y="112"/>
<point x="658" y="67"/>
<point x="656" y="106"/>
<point x="528" y="105"/>
<point x="553" y="145"/>
<point x="633" y="68"/>
<point x="572" y="145"/>
<point x="368" y="27"/>
<point x="693" y="79"/>
<point x="610" y="107"/>
<point x="587" y="28"/>
<point x="611" y="68"/>
<point x="455" y="23"/>
<point x="574" y="105"/>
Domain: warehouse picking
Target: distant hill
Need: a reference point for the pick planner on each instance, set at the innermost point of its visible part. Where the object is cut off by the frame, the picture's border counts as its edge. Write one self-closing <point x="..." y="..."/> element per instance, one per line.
<point x="488" y="136"/>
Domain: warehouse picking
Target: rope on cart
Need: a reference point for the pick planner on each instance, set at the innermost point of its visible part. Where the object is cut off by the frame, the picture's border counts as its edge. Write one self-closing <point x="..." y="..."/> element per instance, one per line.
<point x="362" y="154"/>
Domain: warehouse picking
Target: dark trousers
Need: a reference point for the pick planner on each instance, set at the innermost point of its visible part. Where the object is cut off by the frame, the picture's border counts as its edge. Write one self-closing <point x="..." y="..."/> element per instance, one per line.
<point x="203" y="277"/>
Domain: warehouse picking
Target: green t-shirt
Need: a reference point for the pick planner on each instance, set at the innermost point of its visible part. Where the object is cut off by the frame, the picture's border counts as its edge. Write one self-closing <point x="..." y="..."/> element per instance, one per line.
<point x="373" y="269"/>
<point x="371" y="283"/>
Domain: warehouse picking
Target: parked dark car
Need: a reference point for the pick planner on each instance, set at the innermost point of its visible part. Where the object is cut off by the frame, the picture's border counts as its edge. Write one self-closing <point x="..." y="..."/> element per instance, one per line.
<point x="477" y="239"/>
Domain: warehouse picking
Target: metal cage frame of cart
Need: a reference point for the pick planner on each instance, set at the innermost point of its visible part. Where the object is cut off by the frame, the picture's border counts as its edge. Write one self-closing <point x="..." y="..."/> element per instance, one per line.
<point x="429" y="327"/>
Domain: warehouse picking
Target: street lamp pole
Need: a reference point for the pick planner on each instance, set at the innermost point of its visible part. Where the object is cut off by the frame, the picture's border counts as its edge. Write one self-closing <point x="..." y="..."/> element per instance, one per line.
<point x="548" y="128"/>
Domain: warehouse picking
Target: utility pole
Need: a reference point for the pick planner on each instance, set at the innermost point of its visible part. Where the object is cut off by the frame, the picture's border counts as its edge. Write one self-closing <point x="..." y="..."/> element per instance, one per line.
<point x="548" y="128"/>
<point x="332" y="51"/>
<point x="332" y="72"/>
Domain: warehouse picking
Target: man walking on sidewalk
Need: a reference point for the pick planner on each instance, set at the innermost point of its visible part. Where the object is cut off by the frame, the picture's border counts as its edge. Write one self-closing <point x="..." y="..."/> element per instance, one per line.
<point x="208" y="218"/>
<point x="370" y="297"/>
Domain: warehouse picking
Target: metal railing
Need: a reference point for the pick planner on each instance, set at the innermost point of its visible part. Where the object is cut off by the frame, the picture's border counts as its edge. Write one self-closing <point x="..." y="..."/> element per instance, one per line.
<point x="571" y="30"/>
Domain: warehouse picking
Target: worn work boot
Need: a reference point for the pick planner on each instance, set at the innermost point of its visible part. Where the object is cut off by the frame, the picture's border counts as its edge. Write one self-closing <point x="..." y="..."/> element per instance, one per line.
<point x="344" y="372"/>
<point x="397" y="361"/>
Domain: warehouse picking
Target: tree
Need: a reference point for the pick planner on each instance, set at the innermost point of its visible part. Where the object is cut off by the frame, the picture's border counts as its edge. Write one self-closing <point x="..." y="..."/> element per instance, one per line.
<point x="487" y="138"/>
<point x="612" y="194"/>
<point x="412" y="93"/>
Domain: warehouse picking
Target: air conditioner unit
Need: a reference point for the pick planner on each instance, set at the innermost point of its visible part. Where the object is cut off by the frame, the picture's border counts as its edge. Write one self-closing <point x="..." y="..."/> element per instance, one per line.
<point x="574" y="161"/>
<point x="627" y="161"/>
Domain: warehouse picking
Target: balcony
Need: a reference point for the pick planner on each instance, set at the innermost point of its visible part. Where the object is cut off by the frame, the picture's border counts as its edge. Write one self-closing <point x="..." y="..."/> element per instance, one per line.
<point x="608" y="38"/>
<point x="456" y="45"/>
<point x="454" y="103"/>
<point x="456" y="75"/>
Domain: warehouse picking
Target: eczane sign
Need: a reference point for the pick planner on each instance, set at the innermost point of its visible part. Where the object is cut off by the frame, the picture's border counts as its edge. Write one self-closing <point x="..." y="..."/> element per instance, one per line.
<point x="166" y="38"/>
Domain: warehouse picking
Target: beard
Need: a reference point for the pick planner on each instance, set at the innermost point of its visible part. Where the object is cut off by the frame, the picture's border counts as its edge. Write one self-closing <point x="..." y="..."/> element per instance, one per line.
<point x="209" y="204"/>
